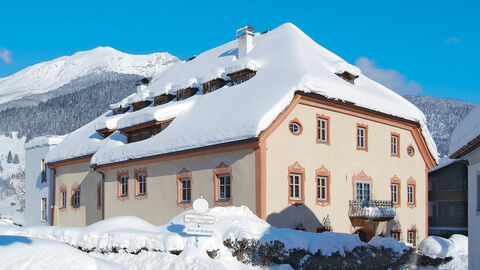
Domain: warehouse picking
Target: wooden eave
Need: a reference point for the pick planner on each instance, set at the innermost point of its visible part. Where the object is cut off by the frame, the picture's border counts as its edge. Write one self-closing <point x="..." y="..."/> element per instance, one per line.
<point x="252" y="143"/>
<point x="467" y="148"/>
<point x="70" y="161"/>
<point x="144" y="125"/>
<point x="240" y="72"/>
<point x="106" y="130"/>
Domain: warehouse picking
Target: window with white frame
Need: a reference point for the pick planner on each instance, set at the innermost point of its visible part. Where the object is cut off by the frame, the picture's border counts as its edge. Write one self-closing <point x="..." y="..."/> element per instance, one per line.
<point x="295" y="186"/>
<point x="394" y="142"/>
<point x="123" y="186"/>
<point x="411" y="194"/>
<point x="395" y="235"/>
<point x="362" y="190"/>
<point x="411" y="237"/>
<point x="43" y="209"/>
<point x="76" y="198"/>
<point x="322" y="188"/>
<point x="186" y="190"/>
<point x="44" y="171"/>
<point x="361" y="137"/>
<point x="394" y="190"/>
<point x="141" y="184"/>
<point x="223" y="187"/>
<point x="322" y="135"/>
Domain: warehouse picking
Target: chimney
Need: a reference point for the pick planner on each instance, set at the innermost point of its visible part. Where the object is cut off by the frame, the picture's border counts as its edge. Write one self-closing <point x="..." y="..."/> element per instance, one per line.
<point x="245" y="40"/>
<point x="142" y="84"/>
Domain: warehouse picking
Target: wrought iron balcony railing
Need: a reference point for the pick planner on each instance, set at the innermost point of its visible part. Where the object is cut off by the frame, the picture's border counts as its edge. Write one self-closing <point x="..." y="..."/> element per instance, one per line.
<point x="373" y="210"/>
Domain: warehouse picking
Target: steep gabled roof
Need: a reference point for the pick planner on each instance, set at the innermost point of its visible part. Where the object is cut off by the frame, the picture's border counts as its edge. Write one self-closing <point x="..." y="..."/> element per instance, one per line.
<point x="285" y="60"/>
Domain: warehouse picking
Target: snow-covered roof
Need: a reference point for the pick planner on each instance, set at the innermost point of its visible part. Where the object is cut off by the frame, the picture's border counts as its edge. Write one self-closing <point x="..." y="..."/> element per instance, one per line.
<point x="442" y="163"/>
<point x="44" y="141"/>
<point x="467" y="130"/>
<point x="286" y="60"/>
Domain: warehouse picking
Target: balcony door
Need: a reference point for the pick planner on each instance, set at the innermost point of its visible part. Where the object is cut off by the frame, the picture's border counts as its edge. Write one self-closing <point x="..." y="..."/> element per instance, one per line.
<point x="362" y="190"/>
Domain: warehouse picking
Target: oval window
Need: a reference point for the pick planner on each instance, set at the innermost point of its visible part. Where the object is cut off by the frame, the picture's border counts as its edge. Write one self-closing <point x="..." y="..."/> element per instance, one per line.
<point x="295" y="128"/>
<point x="410" y="151"/>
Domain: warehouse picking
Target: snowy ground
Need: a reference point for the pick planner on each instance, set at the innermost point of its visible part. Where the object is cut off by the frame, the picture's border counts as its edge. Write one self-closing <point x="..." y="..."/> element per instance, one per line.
<point x="132" y="243"/>
<point x="12" y="178"/>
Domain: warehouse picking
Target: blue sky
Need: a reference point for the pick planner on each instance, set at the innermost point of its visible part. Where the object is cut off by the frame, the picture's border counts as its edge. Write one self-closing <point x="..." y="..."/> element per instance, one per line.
<point x="421" y="47"/>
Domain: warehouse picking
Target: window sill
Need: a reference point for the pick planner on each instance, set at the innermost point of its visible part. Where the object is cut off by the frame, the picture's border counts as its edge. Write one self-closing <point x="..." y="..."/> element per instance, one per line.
<point x="223" y="202"/>
<point x="184" y="204"/>
<point x="122" y="197"/>
<point x="141" y="196"/>
<point x="322" y="202"/>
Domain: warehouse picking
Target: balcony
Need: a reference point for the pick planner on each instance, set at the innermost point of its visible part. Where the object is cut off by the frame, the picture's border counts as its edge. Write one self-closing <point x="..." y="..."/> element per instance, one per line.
<point x="371" y="210"/>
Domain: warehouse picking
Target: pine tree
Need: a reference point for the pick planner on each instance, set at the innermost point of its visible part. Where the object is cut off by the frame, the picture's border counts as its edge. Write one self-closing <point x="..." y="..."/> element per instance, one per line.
<point x="16" y="160"/>
<point x="9" y="158"/>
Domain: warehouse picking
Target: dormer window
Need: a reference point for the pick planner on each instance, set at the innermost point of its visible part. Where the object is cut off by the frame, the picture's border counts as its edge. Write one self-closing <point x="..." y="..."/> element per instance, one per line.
<point x="140" y="105"/>
<point x="120" y="110"/>
<point x="241" y="76"/>
<point x="186" y="93"/>
<point x="162" y="99"/>
<point x="144" y="131"/>
<point x="213" y="85"/>
<point x="347" y="77"/>
<point x="105" y="132"/>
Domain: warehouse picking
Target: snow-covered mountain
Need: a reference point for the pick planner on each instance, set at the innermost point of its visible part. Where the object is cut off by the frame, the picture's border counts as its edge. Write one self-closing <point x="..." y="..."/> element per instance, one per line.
<point x="443" y="115"/>
<point x="33" y="83"/>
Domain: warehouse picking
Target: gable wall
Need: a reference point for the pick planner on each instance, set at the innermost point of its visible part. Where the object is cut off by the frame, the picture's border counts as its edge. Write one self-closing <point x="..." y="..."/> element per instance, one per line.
<point x="343" y="160"/>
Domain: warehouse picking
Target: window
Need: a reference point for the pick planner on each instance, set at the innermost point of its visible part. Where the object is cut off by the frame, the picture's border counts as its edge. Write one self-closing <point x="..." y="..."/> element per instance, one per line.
<point x="362" y="190"/>
<point x="241" y="76"/>
<point x="213" y="85"/>
<point x="76" y="197"/>
<point x="322" y="188"/>
<point x="296" y="175"/>
<point x="394" y="189"/>
<point x="411" y="237"/>
<point x="295" y="186"/>
<point x="44" y="171"/>
<point x="323" y="135"/>
<point x="362" y="137"/>
<point x="410" y="151"/>
<point x="395" y="144"/>
<point x="141" y="184"/>
<point x="186" y="93"/>
<point x="186" y="191"/>
<point x="223" y="187"/>
<point x="295" y="127"/>
<point x="348" y="77"/>
<point x="122" y="177"/>
<point x="144" y="131"/>
<point x="63" y="198"/>
<point x="395" y="235"/>
<point x="222" y="179"/>
<point x="411" y="194"/>
<point x="43" y="209"/>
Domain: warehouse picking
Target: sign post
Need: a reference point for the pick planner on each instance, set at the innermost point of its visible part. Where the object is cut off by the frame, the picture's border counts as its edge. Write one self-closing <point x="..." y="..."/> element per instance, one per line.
<point x="200" y="206"/>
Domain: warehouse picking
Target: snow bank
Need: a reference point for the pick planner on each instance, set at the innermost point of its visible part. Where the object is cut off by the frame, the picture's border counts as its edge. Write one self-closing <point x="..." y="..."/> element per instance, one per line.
<point x="233" y="223"/>
<point x="467" y="130"/>
<point x="380" y="242"/>
<point x="19" y="252"/>
<point x="438" y="247"/>
<point x="44" y="141"/>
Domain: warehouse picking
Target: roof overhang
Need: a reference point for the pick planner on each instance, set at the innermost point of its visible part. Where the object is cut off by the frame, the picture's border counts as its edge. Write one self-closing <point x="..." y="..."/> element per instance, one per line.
<point x="467" y="148"/>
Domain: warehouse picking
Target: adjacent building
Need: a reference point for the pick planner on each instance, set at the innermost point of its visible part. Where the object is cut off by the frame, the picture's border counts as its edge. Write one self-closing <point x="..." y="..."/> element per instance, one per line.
<point x="447" y="198"/>
<point x="38" y="180"/>
<point x="465" y="144"/>
<point x="272" y="121"/>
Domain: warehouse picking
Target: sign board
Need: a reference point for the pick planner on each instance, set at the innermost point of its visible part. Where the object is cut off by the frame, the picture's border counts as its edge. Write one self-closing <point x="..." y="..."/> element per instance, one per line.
<point x="200" y="205"/>
<point x="199" y="219"/>
<point x="198" y="231"/>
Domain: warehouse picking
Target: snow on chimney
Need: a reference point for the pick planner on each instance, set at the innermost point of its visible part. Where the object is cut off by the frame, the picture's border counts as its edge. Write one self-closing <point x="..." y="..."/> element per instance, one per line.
<point x="142" y="84"/>
<point x="245" y="40"/>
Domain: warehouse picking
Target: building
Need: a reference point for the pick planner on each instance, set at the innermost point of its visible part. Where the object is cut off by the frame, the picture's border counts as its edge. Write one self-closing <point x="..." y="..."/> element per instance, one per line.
<point x="465" y="144"/>
<point x="38" y="180"/>
<point x="447" y="198"/>
<point x="272" y="121"/>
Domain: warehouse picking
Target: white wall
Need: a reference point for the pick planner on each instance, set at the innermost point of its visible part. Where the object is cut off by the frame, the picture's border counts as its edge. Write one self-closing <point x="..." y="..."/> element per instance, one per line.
<point x="34" y="189"/>
<point x="473" y="213"/>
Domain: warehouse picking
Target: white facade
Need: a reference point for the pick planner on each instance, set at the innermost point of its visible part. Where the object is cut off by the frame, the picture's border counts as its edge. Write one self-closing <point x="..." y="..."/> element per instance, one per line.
<point x="473" y="208"/>
<point x="38" y="180"/>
